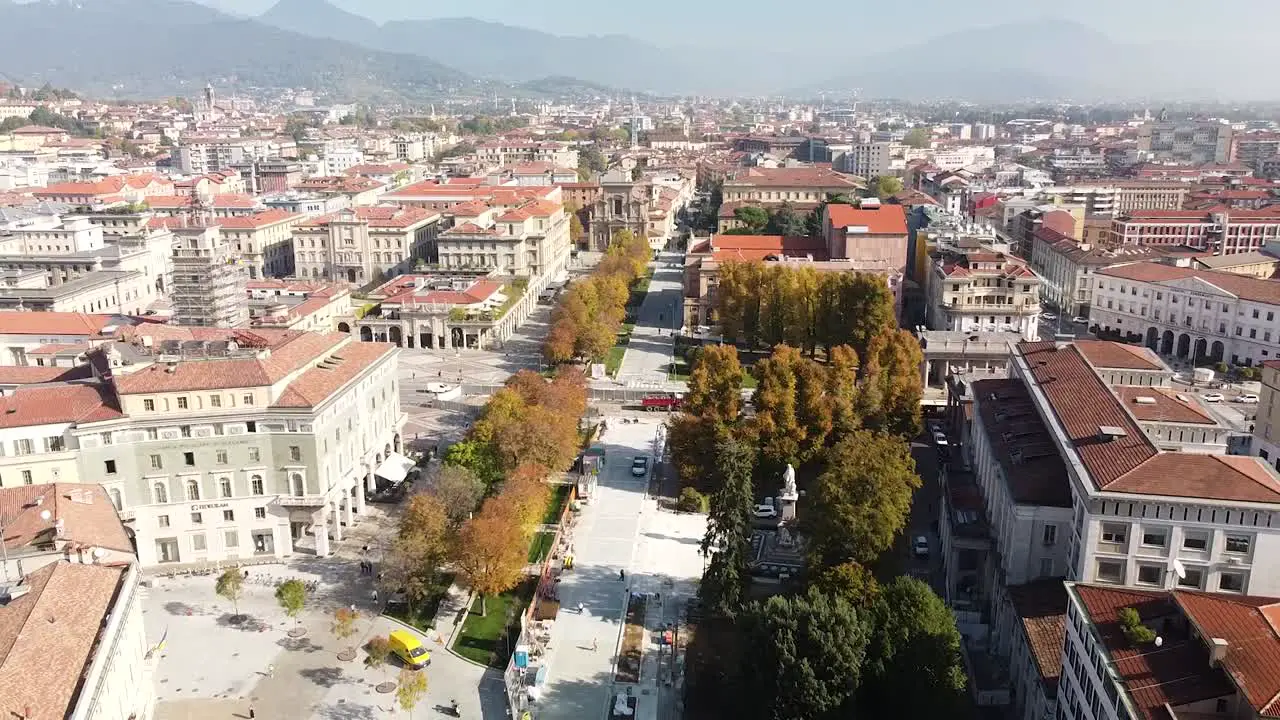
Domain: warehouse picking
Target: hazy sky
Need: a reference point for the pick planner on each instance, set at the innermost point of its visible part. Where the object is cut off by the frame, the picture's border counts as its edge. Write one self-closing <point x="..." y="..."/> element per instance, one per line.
<point x="675" y="22"/>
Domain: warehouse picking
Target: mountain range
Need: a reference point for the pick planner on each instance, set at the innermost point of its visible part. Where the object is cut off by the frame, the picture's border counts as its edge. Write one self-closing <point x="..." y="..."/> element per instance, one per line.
<point x="135" y="48"/>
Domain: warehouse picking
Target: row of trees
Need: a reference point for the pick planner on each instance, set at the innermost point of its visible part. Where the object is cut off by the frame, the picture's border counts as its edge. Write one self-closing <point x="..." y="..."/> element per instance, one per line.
<point x="46" y="118"/>
<point x="782" y="220"/>
<point x="842" y="644"/>
<point x="585" y="324"/>
<point x="478" y="513"/>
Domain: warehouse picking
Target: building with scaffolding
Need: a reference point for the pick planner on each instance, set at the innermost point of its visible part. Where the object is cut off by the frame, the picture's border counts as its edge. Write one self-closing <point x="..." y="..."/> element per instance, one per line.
<point x="210" y="286"/>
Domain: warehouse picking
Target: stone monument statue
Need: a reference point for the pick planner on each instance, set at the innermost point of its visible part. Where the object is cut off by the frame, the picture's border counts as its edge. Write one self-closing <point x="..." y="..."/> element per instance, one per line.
<point x="789" y="496"/>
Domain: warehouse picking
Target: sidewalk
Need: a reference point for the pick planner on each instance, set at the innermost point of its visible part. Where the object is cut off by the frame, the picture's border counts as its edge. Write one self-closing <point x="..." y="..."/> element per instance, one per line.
<point x="451" y="612"/>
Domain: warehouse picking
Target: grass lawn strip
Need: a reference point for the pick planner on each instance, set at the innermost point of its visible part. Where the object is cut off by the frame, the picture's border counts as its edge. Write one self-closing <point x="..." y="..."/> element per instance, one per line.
<point x="541" y="546"/>
<point x="481" y="637"/>
<point x="631" y="653"/>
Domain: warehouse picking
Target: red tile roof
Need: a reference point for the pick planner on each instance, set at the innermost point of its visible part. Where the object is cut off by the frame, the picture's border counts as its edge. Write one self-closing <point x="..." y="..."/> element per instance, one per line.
<point x="109" y="186"/>
<point x="48" y="635"/>
<point x="1084" y="404"/>
<point x="87" y="515"/>
<point x="284" y="358"/>
<point x="1106" y="354"/>
<point x="805" y="177"/>
<point x="384" y="216"/>
<point x="1042" y="608"/>
<point x="1151" y="404"/>
<point x="258" y="220"/>
<point x="58" y="403"/>
<point x="320" y="382"/>
<point x="758" y="247"/>
<point x="39" y="374"/>
<point x="884" y="220"/>
<point x="13" y="322"/>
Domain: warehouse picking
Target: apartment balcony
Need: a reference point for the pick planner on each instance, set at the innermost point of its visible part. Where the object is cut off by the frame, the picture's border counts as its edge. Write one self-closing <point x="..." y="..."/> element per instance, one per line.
<point x="301" y="501"/>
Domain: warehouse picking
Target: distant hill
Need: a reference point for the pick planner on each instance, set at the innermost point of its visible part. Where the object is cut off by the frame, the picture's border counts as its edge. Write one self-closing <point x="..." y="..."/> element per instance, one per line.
<point x="148" y="48"/>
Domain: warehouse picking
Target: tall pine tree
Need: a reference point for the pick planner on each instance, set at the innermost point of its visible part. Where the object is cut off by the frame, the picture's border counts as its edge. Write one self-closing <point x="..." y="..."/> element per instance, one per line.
<point x="724" y="584"/>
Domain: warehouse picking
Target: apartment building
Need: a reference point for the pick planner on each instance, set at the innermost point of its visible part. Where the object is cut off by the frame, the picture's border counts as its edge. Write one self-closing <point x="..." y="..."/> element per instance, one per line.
<point x="981" y="289"/>
<point x="871" y="236"/>
<point x="198" y="155"/>
<point x="531" y="240"/>
<point x="109" y="191"/>
<point x="1086" y="464"/>
<point x="1252" y="148"/>
<point x="514" y="152"/>
<point x="1220" y="230"/>
<point x="239" y="445"/>
<point x="361" y="244"/>
<point x="1206" y="663"/>
<point x="1186" y="141"/>
<point x="299" y="305"/>
<point x="1188" y="313"/>
<point x="1066" y="268"/>
<point x="1112" y="196"/>
<point x="774" y="186"/>
<point x="865" y="159"/>
<point x="1254" y="264"/>
<point x="263" y="242"/>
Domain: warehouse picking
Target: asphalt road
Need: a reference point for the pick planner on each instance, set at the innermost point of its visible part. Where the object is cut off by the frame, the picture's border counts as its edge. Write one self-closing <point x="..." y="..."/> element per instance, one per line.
<point x="648" y="355"/>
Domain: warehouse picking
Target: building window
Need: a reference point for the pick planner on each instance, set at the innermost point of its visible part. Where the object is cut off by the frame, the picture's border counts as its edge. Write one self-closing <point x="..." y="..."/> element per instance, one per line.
<point x="160" y="492"/>
<point x="260" y="513"/>
<point x="163" y="520"/>
<point x="296" y="485"/>
<point x="1193" y="577"/>
<point x="153" y="434"/>
<point x="22" y="447"/>
<point x="224" y="487"/>
<point x="1046" y="567"/>
<point x="189" y="459"/>
<point x="1231" y="582"/>
<point x="1114" y="534"/>
<point x="229" y="515"/>
<point x="295" y="453"/>
<point x="197" y="542"/>
<point x="1150" y="574"/>
<point x="231" y="538"/>
<point x="1154" y="538"/>
<point x="255" y="485"/>
<point x="193" y="489"/>
<point x="26" y="477"/>
<point x="247" y="399"/>
<point x="254" y="454"/>
<point x="149" y="405"/>
<point x="1050" y="534"/>
<point x="197" y="518"/>
<point x="1111" y="571"/>
<point x="182" y="403"/>
<point x="110" y="467"/>
<point x="157" y="463"/>
<point x="221" y="457"/>
<point x="215" y="401"/>
<point x="1238" y="544"/>
<point x="1195" y="541"/>
<point x="106" y="438"/>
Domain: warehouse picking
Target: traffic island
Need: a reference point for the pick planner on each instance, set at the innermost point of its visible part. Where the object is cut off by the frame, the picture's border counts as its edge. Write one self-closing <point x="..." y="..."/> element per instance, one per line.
<point x="631" y="653"/>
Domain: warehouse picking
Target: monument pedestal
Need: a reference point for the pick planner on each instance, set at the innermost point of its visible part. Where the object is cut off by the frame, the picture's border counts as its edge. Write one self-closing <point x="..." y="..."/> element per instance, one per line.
<point x="787" y="506"/>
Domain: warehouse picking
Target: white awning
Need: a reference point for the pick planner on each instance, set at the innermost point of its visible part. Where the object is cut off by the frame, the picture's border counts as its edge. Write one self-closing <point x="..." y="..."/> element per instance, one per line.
<point x="394" y="468"/>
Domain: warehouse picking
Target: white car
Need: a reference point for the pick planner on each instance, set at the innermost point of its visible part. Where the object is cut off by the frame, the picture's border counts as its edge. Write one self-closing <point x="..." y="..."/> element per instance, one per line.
<point x="1080" y="320"/>
<point x="765" y="511"/>
<point x="1048" y="316"/>
<point x="939" y="438"/>
<point x="1212" y="397"/>
<point x="1249" y="398"/>
<point x="920" y="546"/>
<point x="640" y="466"/>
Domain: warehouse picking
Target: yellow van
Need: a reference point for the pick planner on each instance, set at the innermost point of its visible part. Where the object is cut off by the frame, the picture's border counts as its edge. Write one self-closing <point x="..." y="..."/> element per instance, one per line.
<point x="409" y="649"/>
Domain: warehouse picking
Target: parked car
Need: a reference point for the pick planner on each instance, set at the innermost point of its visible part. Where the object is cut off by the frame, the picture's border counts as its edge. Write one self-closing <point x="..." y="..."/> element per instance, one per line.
<point x="1247" y="398"/>
<point x="920" y="546"/>
<point x="640" y="466"/>
<point x="1213" y="397"/>
<point x="1048" y="316"/>
<point x="1080" y="320"/>
<point x="765" y="510"/>
<point x="939" y="438"/>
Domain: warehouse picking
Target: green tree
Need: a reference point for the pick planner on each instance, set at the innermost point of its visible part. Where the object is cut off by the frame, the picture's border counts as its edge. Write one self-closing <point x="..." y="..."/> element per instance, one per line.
<point x="913" y="666"/>
<point x="230" y="585"/>
<point x="754" y="219"/>
<point x="379" y="650"/>
<point x="458" y="491"/>
<point x="576" y="231"/>
<point x="727" y="540"/>
<point x="842" y="391"/>
<point x="411" y="688"/>
<point x="692" y="501"/>
<point x="861" y="500"/>
<point x="900" y="385"/>
<point x="784" y="221"/>
<point x="590" y="162"/>
<point x="884" y="185"/>
<point x="292" y="597"/>
<point x="805" y="658"/>
<point x="917" y="138"/>
<point x="781" y="436"/>
<point x="715" y="384"/>
<point x="418" y="549"/>
<point x="479" y="457"/>
<point x="851" y="581"/>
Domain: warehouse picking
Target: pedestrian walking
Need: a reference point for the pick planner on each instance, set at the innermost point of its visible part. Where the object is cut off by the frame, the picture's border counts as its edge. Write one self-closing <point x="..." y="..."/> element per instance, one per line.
<point x="375" y="598"/>
<point x="595" y="644"/>
<point x="271" y="670"/>
<point x="252" y="714"/>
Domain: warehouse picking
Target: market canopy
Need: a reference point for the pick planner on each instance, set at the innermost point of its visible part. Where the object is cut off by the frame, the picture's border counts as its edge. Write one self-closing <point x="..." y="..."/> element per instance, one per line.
<point x="395" y="468"/>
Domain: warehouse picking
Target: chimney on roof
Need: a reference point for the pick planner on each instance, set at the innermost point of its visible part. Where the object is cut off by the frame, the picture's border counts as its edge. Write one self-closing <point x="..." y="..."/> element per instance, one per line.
<point x="1218" y="651"/>
<point x="1107" y="433"/>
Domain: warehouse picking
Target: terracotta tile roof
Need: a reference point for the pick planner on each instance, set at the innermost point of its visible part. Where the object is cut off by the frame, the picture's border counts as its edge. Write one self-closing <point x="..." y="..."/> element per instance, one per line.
<point x="258" y="220"/>
<point x="385" y="216"/>
<point x="472" y="208"/>
<point x="1167" y="406"/>
<point x="1106" y="354"/>
<point x="57" y="403"/>
<point x="38" y="374"/>
<point x="60" y="617"/>
<point x="320" y="382"/>
<point x="884" y="220"/>
<point x="1248" y="624"/>
<point x="87" y="515"/>
<point x="794" y="177"/>
<point x="13" y="322"/>
<point x="758" y="247"/>
<point x="1242" y="286"/>
<point x="1083" y="403"/>
<point x="1042" y="607"/>
<point x="402" y="292"/>
<point x="1176" y="673"/>
<point x="284" y="358"/>
<point x="224" y="201"/>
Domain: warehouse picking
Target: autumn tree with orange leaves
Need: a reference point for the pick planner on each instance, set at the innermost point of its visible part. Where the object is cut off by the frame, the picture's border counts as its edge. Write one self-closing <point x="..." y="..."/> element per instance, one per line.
<point x="490" y="550"/>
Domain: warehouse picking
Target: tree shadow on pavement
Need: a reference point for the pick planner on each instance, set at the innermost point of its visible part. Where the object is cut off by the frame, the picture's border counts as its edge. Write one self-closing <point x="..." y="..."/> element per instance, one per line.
<point x="246" y="623"/>
<point x="302" y="644"/>
<point x="325" y="677"/>
<point x="565" y="699"/>
<point x="347" y="711"/>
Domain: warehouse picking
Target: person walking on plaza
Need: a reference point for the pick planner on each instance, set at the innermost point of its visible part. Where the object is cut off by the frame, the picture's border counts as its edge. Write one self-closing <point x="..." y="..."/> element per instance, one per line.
<point x="595" y="644"/>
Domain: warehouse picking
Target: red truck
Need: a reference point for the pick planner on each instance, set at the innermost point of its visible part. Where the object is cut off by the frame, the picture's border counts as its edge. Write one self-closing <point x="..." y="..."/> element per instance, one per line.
<point x="660" y="402"/>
